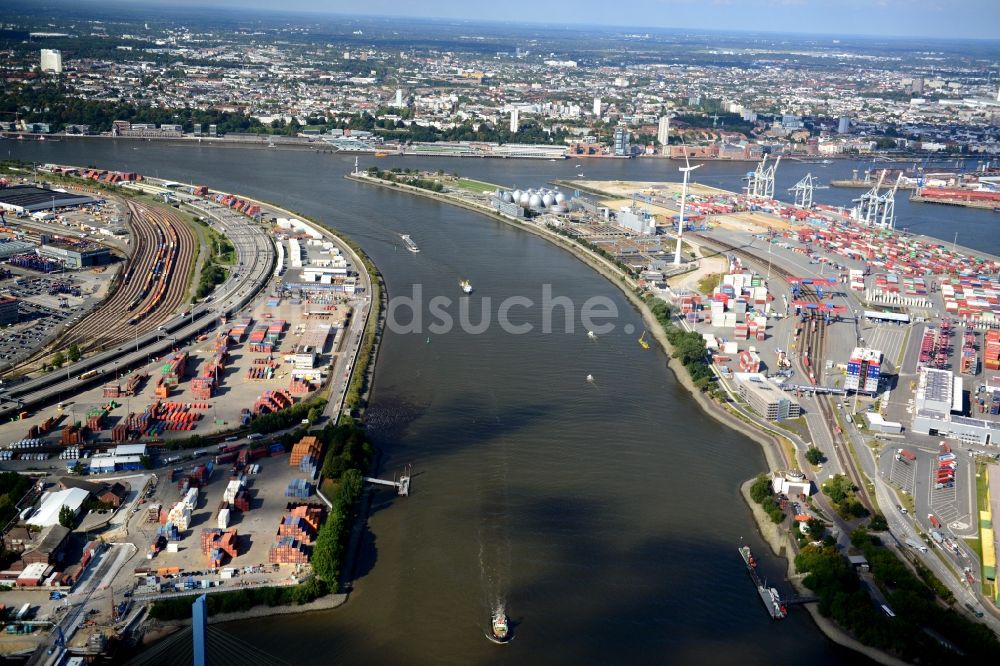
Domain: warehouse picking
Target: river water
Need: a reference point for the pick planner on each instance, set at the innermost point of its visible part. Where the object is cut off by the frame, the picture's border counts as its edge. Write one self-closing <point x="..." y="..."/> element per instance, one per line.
<point x="606" y="514"/>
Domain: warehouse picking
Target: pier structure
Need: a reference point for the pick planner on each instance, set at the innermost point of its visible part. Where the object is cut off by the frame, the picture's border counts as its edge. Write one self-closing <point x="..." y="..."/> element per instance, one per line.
<point x="402" y="485"/>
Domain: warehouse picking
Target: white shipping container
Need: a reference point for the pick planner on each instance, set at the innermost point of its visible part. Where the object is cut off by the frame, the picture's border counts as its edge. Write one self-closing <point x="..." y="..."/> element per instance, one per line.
<point x="173" y="547"/>
<point x="223" y="519"/>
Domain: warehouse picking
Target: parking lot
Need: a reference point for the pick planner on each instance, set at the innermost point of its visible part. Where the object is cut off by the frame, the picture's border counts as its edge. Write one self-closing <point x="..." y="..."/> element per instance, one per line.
<point x="901" y="475"/>
<point x="47" y="304"/>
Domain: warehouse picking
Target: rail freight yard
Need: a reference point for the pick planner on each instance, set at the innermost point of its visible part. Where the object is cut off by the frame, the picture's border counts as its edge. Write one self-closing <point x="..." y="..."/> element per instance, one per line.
<point x="156" y="514"/>
<point x="845" y="339"/>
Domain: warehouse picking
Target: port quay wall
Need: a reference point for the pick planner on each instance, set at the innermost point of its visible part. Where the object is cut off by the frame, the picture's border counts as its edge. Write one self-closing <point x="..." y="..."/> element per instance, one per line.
<point x="780" y="543"/>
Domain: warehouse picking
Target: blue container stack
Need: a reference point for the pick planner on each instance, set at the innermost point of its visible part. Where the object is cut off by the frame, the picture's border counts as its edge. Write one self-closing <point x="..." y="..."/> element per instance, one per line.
<point x="308" y="465"/>
<point x="298" y="488"/>
<point x="169" y="532"/>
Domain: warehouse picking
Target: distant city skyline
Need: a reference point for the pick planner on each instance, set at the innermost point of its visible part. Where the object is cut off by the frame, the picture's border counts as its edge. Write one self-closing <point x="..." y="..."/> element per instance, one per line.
<point x="971" y="19"/>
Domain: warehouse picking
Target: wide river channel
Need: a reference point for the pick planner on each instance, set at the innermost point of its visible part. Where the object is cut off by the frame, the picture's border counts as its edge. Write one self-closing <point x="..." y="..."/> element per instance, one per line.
<point x="606" y="513"/>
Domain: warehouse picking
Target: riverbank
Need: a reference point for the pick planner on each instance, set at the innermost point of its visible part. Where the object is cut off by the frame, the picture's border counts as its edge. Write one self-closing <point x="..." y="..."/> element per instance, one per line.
<point x="772" y="449"/>
<point x="780" y="543"/>
<point x="156" y="630"/>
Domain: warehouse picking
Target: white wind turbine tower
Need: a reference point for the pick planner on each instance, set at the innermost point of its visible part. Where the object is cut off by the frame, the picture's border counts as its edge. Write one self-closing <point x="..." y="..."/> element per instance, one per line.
<point x="686" y="170"/>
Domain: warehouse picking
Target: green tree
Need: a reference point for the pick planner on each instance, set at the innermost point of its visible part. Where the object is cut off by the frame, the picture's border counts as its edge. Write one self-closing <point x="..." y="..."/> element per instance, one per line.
<point x="58" y="359"/>
<point x="878" y="523"/>
<point x="314" y="415"/>
<point x="73" y="353"/>
<point x="66" y="517"/>
<point x="760" y="489"/>
<point x="814" y="455"/>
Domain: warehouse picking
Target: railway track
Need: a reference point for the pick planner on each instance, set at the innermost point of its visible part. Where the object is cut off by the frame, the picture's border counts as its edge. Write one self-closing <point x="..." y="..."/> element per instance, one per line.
<point x="812" y="360"/>
<point x="812" y="342"/>
<point x="152" y="286"/>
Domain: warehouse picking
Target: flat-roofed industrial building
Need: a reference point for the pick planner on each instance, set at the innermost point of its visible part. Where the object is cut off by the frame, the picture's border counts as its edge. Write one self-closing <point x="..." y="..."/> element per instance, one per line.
<point x="765" y="397"/>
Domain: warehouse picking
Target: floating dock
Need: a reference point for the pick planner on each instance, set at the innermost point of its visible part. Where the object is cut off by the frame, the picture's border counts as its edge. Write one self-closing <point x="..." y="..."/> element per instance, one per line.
<point x="772" y="601"/>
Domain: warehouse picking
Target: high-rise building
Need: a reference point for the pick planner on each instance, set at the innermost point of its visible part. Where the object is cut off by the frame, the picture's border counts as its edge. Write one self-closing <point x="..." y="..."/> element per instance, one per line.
<point x="399" y="98"/>
<point x="663" y="131"/>
<point x="8" y="310"/>
<point x="864" y="370"/>
<point x="917" y="87"/>
<point x="622" y="148"/>
<point x="515" y="121"/>
<point x="51" y="61"/>
<point x="597" y="107"/>
<point x="844" y="126"/>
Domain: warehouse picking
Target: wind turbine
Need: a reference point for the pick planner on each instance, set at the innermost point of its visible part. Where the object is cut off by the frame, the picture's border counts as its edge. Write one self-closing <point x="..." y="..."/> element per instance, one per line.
<point x="686" y="170"/>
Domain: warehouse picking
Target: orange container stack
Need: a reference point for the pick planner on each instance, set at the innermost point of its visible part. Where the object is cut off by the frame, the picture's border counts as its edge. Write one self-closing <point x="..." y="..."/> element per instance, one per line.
<point x="991" y="350"/>
<point x="288" y="550"/>
<point x="308" y="446"/>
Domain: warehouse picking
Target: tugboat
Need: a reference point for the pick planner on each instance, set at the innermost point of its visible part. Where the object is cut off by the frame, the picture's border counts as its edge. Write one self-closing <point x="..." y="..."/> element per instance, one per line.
<point x="466" y="286"/>
<point x="500" y="630"/>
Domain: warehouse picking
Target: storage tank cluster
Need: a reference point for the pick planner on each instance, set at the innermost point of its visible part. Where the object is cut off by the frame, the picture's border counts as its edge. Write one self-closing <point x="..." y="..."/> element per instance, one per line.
<point x="540" y="200"/>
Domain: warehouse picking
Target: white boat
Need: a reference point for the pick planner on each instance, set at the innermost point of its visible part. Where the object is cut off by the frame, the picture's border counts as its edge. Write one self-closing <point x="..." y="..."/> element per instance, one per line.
<point x="590" y="378"/>
<point x="591" y="335"/>
<point x="466" y="286"/>
<point x="410" y="245"/>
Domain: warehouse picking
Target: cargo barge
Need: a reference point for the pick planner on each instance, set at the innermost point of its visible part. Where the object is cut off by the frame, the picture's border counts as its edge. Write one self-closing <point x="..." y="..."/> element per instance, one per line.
<point x="986" y="199"/>
<point x="769" y="595"/>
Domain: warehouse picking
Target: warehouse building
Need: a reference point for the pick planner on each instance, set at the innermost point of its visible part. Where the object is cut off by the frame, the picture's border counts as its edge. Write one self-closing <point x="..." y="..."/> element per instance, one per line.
<point x="934" y="403"/>
<point x="52" y="504"/>
<point x="765" y="397"/>
<point x="48" y="547"/>
<point x="103" y="464"/>
<point x="74" y="256"/>
<point x="28" y="199"/>
<point x="8" y="248"/>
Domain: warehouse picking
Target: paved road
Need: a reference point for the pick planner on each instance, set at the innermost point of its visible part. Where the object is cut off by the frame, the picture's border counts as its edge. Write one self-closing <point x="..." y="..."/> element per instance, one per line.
<point x="902" y="527"/>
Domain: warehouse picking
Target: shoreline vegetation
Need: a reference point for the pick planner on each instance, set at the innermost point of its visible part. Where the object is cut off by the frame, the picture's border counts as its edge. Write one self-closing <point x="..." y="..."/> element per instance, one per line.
<point x="689" y="367"/>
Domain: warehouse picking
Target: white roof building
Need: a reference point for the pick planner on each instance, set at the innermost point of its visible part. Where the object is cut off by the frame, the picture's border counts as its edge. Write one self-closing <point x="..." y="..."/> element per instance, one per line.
<point x="130" y="450"/>
<point x="52" y="503"/>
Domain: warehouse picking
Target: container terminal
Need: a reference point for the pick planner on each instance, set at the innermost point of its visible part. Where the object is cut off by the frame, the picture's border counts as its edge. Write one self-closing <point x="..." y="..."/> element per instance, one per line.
<point x="824" y="325"/>
<point x="155" y="522"/>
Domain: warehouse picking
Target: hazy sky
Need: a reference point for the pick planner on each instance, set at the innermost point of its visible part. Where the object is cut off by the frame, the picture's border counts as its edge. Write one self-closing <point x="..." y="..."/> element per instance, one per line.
<point x="934" y="18"/>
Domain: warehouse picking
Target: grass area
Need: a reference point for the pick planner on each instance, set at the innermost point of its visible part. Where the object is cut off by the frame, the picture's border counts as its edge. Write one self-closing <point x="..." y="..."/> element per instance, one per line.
<point x="905" y="500"/>
<point x="223" y="251"/>
<point x="982" y="490"/>
<point x="796" y="426"/>
<point x="477" y="186"/>
<point x="789" y="449"/>
<point x="708" y="282"/>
